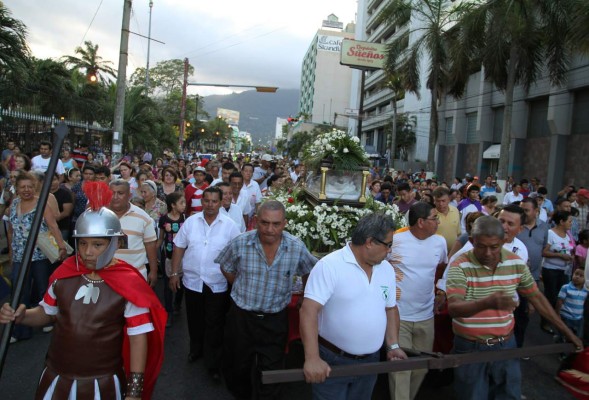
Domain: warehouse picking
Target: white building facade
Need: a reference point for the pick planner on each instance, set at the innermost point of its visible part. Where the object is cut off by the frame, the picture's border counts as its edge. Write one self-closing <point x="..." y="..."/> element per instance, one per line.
<point x="325" y="84"/>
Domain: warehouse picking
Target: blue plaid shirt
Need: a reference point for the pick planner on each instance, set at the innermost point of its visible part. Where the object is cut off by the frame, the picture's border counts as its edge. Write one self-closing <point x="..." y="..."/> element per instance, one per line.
<point x="259" y="286"/>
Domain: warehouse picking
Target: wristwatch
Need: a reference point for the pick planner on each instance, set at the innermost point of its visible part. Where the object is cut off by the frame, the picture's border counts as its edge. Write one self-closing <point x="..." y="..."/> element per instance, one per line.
<point x="392" y="347"/>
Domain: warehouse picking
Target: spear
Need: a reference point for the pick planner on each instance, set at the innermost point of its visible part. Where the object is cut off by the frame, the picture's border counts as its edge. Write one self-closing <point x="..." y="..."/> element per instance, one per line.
<point x="60" y="134"/>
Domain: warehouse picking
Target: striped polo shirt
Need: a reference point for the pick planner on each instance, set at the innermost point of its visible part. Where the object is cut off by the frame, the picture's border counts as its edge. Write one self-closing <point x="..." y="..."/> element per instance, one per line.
<point x="470" y="281"/>
<point x="138" y="226"/>
<point x="573" y="301"/>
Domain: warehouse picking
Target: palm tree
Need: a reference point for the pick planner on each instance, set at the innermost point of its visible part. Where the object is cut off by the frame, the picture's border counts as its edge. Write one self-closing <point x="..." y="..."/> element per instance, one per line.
<point x="513" y="40"/>
<point x="87" y="61"/>
<point x="580" y="25"/>
<point x="51" y="83"/>
<point x="428" y="21"/>
<point x="394" y="82"/>
<point x="14" y="52"/>
<point x="14" y="57"/>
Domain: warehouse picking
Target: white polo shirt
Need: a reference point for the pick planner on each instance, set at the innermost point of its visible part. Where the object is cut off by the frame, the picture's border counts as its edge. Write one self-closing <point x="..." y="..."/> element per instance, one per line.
<point x="203" y="243"/>
<point x="415" y="263"/>
<point x="353" y="316"/>
<point x="138" y="226"/>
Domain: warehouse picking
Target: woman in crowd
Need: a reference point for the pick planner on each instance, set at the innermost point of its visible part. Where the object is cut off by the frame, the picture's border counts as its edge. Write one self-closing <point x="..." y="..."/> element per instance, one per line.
<point x="169" y="184"/>
<point x="141" y="177"/>
<point x="72" y="177"/>
<point x="127" y="174"/>
<point x="67" y="160"/>
<point x="22" y="162"/>
<point x="153" y="206"/>
<point x="489" y="205"/>
<point x="22" y="212"/>
<point x="375" y="188"/>
<point x="558" y="258"/>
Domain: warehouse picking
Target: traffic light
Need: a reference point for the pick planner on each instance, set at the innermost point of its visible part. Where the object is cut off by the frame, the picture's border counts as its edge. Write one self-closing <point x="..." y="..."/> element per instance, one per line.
<point x="92" y="74"/>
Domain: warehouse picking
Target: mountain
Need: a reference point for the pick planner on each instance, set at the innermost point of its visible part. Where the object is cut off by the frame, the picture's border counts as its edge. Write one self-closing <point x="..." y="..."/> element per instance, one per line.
<point x="257" y="111"/>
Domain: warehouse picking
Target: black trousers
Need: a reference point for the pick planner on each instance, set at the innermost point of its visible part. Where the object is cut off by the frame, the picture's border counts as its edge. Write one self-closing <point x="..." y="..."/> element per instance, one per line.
<point x="522" y="318"/>
<point x="205" y="313"/>
<point x="254" y="342"/>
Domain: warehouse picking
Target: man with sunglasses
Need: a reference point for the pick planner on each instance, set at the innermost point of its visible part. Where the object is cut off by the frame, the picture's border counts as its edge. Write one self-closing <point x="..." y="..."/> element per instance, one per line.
<point x="350" y="310"/>
<point x="416" y="255"/>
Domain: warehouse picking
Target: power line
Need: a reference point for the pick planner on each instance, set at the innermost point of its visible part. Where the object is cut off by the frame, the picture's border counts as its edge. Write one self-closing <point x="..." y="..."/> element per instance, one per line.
<point x="91" y="22"/>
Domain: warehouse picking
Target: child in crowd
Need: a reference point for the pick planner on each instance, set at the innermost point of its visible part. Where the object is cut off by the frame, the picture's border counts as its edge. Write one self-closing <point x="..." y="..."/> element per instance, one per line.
<point x="169" y="225"/>
<point x="570" y="302"/>
<point x="581" y="249"/>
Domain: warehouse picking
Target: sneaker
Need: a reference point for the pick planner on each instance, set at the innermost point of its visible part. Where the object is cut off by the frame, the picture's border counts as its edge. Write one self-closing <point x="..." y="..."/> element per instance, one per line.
<point x="47" y="329"/>
<point x="13" y="340"/>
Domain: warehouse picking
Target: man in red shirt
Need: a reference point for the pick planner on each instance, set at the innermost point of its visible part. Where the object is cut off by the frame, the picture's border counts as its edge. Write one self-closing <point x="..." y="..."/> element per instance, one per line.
<point x="193" y="192"/>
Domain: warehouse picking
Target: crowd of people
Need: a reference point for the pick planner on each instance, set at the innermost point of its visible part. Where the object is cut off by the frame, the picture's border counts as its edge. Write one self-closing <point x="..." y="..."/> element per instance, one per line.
<point x="466" y="271"/>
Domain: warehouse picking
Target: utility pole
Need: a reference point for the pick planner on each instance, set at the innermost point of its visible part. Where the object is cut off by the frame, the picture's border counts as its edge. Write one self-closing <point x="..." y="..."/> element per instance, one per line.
<point x="148" y="46"/>
<point x="183" y="107"/>
<point x="117" y="136"/>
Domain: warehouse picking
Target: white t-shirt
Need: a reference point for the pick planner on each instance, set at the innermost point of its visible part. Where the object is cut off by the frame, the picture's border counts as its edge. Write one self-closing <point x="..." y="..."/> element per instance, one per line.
<point x="415" y="263"/>
<point x="353" y="316"/>
<point x="464" y="213"/>
<point x="561" y="245"/>
<point x="511" y="198"/>
<point x="39" y="163"/>
<point x="203" y="243"/>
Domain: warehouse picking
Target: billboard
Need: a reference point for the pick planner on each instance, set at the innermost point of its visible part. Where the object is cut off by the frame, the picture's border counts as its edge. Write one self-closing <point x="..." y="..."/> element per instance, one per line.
<point x="362" y="55"/>
<point x="329" y="43"/>
<point x="231" y="116"/>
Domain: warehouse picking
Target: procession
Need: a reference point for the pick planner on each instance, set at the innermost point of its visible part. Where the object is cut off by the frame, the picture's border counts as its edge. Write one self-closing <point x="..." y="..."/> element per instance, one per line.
<point x="416" y="228"/>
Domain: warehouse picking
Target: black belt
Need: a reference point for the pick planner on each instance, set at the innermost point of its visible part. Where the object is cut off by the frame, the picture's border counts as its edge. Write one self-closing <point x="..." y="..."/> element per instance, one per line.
<point x="334" y="349"/>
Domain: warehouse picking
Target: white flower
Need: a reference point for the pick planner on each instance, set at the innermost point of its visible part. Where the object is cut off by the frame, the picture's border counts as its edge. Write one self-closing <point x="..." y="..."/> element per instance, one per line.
<point x="355" y="139"/>
<point x="346" y="150"/>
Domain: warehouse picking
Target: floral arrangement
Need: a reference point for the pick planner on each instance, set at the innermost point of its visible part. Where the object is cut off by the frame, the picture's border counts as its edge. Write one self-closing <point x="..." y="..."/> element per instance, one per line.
<point x="343" y="150"/>
<point x="323" y="227"/>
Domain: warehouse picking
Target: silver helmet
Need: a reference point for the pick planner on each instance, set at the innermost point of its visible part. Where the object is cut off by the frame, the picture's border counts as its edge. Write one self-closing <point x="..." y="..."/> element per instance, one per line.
<point x="100" y="224"/>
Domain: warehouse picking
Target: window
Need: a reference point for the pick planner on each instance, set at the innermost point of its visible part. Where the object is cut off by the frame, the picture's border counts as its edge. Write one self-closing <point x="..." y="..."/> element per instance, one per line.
<point x="538" y="119"/>
<point x="498" y="124"/>
<point x="369" y="139"/>
<point x="580" y="123"/>
<point x="450" y="137"/>
<point x="472" y="136"/>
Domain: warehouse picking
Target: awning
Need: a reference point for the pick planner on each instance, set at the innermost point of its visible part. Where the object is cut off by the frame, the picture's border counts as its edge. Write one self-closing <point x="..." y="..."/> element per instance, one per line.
<point x="492" y="152"/>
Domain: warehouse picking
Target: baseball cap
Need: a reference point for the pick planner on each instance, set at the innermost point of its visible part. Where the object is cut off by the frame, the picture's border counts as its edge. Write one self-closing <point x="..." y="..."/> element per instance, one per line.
<point x="584" y="193"/>
<point x="199" y="169"/>
<point x="266" y="157"/>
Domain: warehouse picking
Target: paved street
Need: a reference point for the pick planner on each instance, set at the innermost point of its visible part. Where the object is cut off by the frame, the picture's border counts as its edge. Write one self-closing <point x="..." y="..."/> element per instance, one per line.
<point x="181" y="380"/>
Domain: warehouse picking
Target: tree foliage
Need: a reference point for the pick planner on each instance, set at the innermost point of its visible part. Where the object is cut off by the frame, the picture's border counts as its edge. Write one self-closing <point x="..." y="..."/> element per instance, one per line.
<point x="165" y="78"/>
<point x="427" y="22"/>
<point x="86" y="60"/>
<point x="515" y="40"/>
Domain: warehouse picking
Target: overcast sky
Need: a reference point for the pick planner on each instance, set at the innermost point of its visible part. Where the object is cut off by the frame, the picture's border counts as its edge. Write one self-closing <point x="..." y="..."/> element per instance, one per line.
<point x="260" y="42"/>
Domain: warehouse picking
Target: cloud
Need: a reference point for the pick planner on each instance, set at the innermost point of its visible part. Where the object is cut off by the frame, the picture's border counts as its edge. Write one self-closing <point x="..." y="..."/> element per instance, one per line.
<point x="260" y="42"/>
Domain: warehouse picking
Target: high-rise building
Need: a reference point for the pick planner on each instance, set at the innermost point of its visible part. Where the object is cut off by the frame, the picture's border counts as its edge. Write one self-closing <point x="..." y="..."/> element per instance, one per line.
<point x="377" y="109"/>
<point x="325" y="84"/>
